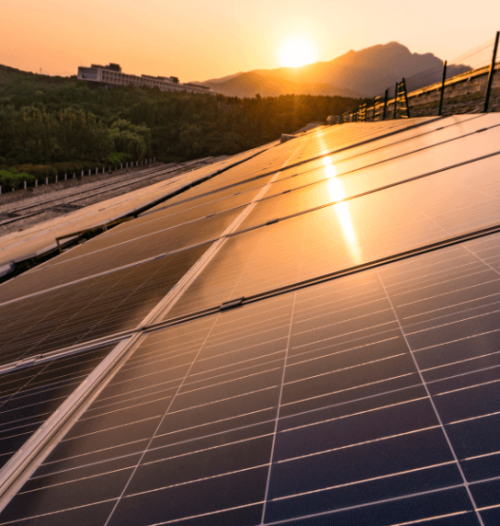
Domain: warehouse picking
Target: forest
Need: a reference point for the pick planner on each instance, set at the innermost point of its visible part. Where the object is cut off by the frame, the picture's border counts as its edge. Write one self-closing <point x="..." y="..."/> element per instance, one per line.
<point x="56" y="125"/>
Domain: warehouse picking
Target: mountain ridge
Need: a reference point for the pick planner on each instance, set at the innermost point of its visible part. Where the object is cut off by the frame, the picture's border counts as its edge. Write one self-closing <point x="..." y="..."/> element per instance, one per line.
<point x="364" y="73"/>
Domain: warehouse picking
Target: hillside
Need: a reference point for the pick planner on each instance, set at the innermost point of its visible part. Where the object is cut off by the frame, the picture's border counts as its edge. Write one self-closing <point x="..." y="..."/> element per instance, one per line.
<point x="51" y="125"/>
<point x="363" y="73"/>
<point x="8" y="75"/>
<point x="267" y="84"/>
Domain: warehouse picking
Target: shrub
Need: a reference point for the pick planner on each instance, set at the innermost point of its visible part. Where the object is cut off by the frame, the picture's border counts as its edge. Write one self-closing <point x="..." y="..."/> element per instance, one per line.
<point x="39" y="171"/>
<point x="68" y="168"/>
<point x="12" y="179"/>
<point x="115" y="159"/>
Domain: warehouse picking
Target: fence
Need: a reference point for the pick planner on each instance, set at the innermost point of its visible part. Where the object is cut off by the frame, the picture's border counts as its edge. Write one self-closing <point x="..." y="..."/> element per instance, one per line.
<point x="449" y="89"/>
<point x="13" y="184"/>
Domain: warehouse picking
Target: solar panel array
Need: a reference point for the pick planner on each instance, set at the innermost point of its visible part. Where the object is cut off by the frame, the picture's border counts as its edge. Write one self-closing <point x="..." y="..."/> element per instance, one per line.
<point x="308" y="338"/>
<point x="40" y="239"/>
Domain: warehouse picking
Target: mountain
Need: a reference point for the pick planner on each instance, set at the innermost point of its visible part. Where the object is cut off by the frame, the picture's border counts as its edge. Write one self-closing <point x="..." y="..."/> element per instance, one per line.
<point x="363" y="73"/>
<point x="223" y="79"/>
<point x="268" y="84"/>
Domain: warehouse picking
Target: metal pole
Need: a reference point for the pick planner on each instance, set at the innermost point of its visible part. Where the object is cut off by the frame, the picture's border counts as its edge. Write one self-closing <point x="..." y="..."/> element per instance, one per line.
<point x="441" y="98"/>
<point x="395" y="99"/>
<point x="386" y="98"/>
<point x="490" y="76"/>
<point x="406" y="98"/>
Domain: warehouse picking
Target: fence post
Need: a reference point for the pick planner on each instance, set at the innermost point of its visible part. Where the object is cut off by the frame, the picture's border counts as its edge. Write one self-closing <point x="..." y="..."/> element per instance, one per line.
<point x="441" y="98"/>
<point x="490" y="76"/>
<point x="396" y="99"/>
<point x="36" y="182"/>
<point x="406" y="98"/>
<point x="25" y="185"/>
<point x="386" y="98"/>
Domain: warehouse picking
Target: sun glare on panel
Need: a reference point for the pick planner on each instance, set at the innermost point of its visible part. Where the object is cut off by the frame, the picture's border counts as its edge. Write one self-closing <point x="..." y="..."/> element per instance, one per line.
<point x="337" y="193"/>
<point x="296" y="52"/>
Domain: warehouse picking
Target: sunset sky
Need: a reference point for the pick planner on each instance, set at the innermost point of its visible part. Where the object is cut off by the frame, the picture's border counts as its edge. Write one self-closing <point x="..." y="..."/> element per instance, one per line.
<point x="203" y="39"/>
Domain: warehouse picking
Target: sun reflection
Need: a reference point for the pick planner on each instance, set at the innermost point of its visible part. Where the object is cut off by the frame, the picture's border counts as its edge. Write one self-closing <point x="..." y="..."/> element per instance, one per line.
<point x="337" y="193"/>
<point x="342" y="209"/>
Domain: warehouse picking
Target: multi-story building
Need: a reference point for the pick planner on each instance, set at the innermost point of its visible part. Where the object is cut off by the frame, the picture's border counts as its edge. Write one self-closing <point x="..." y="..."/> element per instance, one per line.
<point x="112" y="75"/>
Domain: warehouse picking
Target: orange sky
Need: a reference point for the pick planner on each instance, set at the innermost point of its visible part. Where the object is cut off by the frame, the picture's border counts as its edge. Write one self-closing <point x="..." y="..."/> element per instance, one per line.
<point x="202" y="39"/>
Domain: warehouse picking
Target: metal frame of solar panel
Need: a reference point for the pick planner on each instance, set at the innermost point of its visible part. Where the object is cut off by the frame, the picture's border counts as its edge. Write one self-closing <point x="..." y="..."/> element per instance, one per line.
<point x="308" y="338"/>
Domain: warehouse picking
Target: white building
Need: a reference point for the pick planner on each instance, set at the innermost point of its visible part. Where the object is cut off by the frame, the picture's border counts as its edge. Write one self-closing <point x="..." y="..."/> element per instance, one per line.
<point x="112" y="75"/>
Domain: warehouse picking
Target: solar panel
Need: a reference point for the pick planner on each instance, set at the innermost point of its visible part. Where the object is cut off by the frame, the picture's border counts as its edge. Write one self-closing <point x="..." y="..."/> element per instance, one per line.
<point x="30" y="395"/>
<point x="40" y="239"/>
<point x="118" y="256"/>
<point x="316" y="362"/>
<point x="204" y="197"/>
<point x="89" y="309"/>
<point x="165" y="218"/>
<point x="319" y="399"/>
<point x="375" y="226"/>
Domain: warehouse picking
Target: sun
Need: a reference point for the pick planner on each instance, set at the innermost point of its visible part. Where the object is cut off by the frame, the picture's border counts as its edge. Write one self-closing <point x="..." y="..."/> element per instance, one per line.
<point x="296" y="52"/>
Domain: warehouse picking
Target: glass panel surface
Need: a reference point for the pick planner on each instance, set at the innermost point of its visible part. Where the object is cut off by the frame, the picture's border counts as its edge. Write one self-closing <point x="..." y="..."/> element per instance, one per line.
<point x="464" y="184"/>
<point x="89" y="309"/>
<point x="428" y="127"/>
<point x="160" y="220"/>
<point x="350" y="400"/>
<point x="117" y="256"/>
<point x="378" y="225"/>
<point x="29" y="396"/>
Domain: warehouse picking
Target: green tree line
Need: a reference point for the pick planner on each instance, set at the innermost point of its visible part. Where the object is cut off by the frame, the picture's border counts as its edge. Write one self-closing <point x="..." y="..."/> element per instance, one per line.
<point x="51" y="125"/>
